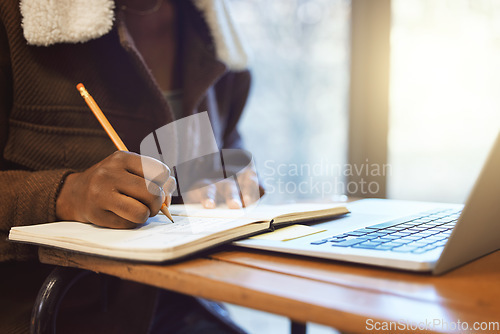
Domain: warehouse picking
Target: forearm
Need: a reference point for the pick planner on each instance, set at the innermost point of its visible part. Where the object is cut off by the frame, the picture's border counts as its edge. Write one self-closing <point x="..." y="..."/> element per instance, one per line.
<point x="26" y="198"/>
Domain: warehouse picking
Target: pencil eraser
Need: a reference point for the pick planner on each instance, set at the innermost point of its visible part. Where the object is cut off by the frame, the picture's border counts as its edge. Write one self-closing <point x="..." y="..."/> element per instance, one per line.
<point x="80" y="86"/>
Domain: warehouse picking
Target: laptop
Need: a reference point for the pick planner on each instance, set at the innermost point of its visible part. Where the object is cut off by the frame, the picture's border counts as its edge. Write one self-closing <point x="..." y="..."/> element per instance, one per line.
<point x="408" y="235"/>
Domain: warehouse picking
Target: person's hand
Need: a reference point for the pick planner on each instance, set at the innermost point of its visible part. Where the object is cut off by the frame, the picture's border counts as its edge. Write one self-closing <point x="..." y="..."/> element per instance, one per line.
<point x="121" y="191"/>
<point x="235" y="195"/>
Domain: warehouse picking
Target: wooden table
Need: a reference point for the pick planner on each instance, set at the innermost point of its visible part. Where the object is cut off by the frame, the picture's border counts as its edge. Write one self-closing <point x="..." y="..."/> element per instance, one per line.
<point x="351" y="298"/>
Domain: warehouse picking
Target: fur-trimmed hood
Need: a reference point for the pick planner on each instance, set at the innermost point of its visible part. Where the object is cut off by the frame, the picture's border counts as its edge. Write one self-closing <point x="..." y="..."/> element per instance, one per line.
<point x="49" y="22"/>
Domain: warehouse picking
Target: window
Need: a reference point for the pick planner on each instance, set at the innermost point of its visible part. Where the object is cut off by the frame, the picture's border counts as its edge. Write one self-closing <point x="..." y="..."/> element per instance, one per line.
<point x="443" y="100"/>
<point x="295" y="123"/>
<point x="444" y="95"/>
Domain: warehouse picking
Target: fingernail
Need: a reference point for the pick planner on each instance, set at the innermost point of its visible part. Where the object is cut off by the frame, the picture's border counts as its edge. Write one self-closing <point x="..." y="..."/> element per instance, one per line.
<point x="209" y="203"/>
<point x="234" y="204"/>
<point x="247" y="199"/>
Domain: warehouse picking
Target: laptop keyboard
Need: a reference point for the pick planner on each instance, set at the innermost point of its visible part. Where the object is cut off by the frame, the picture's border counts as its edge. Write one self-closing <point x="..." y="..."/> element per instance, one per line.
<point x="416" y="234"/>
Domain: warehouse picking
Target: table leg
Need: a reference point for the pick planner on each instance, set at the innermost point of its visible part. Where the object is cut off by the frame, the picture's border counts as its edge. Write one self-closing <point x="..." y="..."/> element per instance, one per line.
<point x="298" y="328"/>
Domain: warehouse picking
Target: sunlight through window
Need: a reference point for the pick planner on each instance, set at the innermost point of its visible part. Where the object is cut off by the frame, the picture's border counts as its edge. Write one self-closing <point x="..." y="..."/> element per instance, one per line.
<point x="445" y="101"/>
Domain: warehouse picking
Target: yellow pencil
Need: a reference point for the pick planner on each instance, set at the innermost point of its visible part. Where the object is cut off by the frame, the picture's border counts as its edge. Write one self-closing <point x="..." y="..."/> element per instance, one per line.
<point x="110" y="131"/>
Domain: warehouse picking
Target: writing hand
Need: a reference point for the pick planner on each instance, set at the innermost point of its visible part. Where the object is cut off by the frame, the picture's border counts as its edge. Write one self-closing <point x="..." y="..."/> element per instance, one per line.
<point x="121" y="191"/>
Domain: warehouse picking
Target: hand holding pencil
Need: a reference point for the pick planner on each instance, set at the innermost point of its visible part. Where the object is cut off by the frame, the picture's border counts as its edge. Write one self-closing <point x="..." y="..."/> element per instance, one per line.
<point x="121" y="191"/>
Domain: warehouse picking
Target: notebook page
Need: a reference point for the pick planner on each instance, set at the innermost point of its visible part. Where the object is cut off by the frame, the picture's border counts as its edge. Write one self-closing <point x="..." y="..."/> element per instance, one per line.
<point x="157" y="233"/>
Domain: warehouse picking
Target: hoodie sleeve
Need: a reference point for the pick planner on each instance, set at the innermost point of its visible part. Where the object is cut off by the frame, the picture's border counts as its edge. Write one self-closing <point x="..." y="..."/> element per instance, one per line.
<point x="26" y="197"/>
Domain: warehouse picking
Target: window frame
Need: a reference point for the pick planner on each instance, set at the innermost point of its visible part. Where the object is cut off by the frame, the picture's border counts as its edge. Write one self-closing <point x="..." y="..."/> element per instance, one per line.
<point x="369" y="97"/>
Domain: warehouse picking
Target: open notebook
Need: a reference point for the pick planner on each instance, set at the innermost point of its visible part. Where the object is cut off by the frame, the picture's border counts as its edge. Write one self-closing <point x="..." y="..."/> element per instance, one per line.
<point x="160" y="240"/>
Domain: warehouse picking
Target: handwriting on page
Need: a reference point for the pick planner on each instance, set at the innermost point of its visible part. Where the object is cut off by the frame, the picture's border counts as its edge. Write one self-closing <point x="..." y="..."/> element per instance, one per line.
<point x="159" y="232"/>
